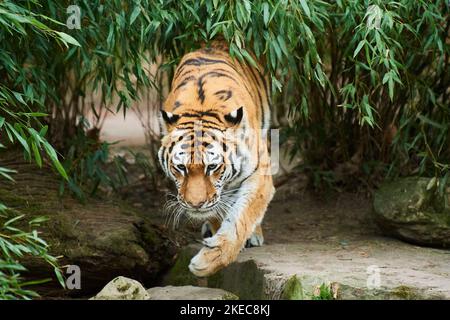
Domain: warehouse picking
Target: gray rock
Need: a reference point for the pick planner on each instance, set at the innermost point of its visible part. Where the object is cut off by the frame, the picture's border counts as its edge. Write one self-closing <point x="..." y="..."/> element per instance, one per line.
<point x="413" y="210"/>
<point x="368" y="268"/>
<point x="122" y="288"/>
<point x="189" y="293"/>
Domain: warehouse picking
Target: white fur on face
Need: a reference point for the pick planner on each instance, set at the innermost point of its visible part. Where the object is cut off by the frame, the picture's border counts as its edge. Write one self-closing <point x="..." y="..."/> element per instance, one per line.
<point x="213" y="154"/>
<point x="180" y="156"/>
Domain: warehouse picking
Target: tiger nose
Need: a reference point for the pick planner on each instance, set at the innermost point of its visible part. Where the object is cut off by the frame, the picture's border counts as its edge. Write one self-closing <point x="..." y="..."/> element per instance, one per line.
<point x="195" y="204"/>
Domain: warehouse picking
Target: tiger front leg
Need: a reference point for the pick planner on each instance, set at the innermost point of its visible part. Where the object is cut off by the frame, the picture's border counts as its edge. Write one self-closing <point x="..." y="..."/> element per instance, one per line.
<point x="256" y="239"/>
<point x="239" y="225"/>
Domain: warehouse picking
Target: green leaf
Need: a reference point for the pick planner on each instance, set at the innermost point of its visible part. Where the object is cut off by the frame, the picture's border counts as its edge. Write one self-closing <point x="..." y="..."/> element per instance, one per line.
<point x="54" y="158"/>
<point x="67" y="39"/>
<point x="359" y="47"/>
<point x="249" y="58"/>
<point x="134" y="14"/>
<point x="19" y="138"/>
<point x="37" y="154"/>
<point x="60" y="277"/>
<point x="4" y="172"/>
<point x="391" y="88"/>
<point x="10" y="221"/>
<point x="266" y="15"/>
<point x="305" y="8"/>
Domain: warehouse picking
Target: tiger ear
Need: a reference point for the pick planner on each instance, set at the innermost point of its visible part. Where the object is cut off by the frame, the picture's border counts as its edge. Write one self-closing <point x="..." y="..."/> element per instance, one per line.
<point x="235" y="117"/>
<point x="169" y="117"/>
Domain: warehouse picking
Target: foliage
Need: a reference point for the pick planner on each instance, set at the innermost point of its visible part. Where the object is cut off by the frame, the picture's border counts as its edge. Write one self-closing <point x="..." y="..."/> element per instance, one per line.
<point x="20" y="110"/>
<point x="365" y="83"/>
<point x="21" y="105"/>
<point x="383" y="105"/>
<point x="85" y="162"/>
<point x="323" y="292"/>
<point x="16" y="243"/>
<point x="105" y="65"/>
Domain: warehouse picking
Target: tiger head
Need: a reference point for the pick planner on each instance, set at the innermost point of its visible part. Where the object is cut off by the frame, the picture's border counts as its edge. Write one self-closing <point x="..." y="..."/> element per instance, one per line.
<point x="202" y="159"/>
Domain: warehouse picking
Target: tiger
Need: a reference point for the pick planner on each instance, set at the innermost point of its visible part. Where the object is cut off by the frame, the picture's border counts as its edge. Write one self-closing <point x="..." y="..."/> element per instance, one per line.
<point x="215" y="122"/>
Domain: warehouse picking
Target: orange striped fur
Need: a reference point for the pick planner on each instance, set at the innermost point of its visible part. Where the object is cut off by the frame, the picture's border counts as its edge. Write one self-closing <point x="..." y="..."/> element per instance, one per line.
<point x="215" y="149"/>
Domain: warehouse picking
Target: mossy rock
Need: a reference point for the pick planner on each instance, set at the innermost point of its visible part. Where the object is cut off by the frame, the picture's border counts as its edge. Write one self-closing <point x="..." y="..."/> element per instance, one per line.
<point x="179" y="274"/>
<point x="405" y="293"/>
<point x="293" y="289"/>
<point x="244" y="279"/>
<point x="122" y="288"/>
<point x="413" y="210"/>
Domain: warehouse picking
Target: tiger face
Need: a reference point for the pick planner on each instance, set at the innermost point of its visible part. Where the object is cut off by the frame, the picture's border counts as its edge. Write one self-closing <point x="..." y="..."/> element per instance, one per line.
<point x="203" y="162"/>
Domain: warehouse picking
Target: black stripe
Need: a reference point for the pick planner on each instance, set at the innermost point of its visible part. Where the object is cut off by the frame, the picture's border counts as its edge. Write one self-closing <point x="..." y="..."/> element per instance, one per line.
<point x="218" y="74"/>
<point x="207" y="145"/>
<point x="203" y="60"/>
<point x="263" y="79"/>
<point x="201" y="82"/>
<point x="214" y="115"/>
<point x="201" y="92"/>
<point x="224" y="95"/>
<point x="201" y="114"/>
<point x="184" y="82"/>
<point x="190" y="115"/>
<point x="258" y="84"/>
<point x="186" y="73"/>
<point x="210" y="124"/>
<point x="211" y="127"/>
<point x="266" y="90"/>
<point x="234" y="172"/>
<point x="171" y="146"/>
<point x="199" y="62"/>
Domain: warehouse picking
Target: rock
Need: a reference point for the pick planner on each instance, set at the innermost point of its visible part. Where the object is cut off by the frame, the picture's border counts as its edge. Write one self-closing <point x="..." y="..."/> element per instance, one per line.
<point x="189" y="293"/>
<point x="391" y="269"/>
<point x="106" y="238"/>
<point x="122" y="288"/>
<point x="413" y="210"/>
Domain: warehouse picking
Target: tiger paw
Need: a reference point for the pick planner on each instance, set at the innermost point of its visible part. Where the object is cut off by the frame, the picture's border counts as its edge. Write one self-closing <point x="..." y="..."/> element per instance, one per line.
<point x="216" y="254"/>
<point x="256" y="240"/>
<point x="207" y="262"/>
